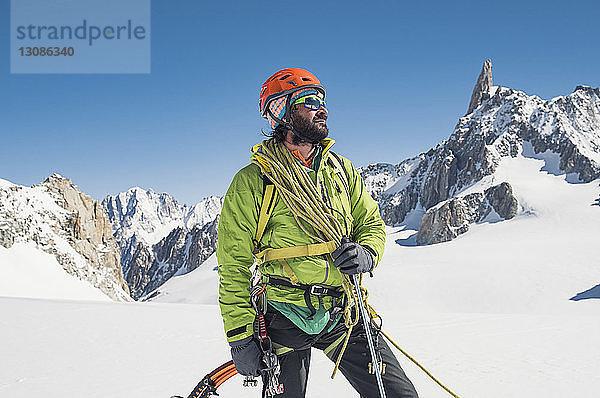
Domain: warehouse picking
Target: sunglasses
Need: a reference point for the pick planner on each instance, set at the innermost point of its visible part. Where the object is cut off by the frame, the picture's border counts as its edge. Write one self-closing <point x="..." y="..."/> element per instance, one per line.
<point x="311" y="102"/>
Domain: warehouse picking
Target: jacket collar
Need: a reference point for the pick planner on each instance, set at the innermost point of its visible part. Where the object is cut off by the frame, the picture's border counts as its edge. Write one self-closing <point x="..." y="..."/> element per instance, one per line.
<point x="327" y="143"/>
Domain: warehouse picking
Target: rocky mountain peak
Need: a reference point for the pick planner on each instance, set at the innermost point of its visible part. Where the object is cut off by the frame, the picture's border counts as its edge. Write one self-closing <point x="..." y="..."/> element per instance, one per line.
<point x="89" y="222"/>
<point x="481" y="91"/>
<point x="587" y="89"/>
<point x="502" y="122"/>
<point x="159" y="237"/>
<point x="143" y="213"/>
<point x="63" y="221"/>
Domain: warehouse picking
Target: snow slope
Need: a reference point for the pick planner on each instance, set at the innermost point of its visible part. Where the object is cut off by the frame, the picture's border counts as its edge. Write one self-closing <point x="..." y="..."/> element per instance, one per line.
<point x="533" y="263"/>
<point x="198" y="287"/>
<point x="29" y="272"/>
<point x="488" y="313"/>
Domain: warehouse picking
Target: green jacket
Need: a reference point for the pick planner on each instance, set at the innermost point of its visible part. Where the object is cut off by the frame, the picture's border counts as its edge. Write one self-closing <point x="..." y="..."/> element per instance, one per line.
<point x="237" y="229"/>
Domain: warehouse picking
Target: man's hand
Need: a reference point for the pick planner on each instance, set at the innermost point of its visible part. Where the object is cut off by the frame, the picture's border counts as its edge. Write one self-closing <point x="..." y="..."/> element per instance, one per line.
<point x="246" y="355"/>
<point x="352" y="258"/>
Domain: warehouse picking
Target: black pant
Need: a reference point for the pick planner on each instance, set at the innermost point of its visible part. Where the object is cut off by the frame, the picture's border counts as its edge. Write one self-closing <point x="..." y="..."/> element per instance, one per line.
<point x="354" y="365"/>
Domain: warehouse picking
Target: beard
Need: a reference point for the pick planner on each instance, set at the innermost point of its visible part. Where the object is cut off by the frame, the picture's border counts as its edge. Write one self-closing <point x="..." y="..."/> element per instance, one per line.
<point x="306" y="130"/>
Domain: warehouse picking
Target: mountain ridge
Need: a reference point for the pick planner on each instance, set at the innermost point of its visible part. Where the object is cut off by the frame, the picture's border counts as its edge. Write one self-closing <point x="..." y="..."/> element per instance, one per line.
<point x="59" y="219"/>
<point x="158" y="237"/>
<point x="502" y="123"/>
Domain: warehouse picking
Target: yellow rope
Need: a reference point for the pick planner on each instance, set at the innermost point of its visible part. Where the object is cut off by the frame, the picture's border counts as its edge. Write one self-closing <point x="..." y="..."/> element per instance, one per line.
<point x="300" y="195"/>
<point x="339" y="358"/>
<point x="418" y="364"/>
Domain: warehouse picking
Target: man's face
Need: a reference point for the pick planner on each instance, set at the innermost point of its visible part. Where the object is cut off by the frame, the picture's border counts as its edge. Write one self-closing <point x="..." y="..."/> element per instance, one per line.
<point x="310" y="124"/>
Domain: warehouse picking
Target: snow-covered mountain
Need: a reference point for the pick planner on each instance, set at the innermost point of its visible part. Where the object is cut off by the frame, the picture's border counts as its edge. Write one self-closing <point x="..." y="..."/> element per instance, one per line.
<point x="55" y="217"/>
<point x="430" y="190"/>
<point x="158" y="237"/>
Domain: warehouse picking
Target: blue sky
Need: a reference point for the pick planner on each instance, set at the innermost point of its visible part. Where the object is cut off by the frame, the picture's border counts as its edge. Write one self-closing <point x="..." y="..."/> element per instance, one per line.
<point x="398" y="75"/>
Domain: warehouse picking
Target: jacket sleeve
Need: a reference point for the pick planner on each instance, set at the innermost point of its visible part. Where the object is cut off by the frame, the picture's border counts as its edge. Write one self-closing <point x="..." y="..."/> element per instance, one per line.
<point x="237" y="226"/>
<point x="368" y="227"/>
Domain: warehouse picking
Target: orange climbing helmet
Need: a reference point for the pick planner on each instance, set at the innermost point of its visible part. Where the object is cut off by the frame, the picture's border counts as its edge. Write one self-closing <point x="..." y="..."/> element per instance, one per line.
<point x="281" y="89"/>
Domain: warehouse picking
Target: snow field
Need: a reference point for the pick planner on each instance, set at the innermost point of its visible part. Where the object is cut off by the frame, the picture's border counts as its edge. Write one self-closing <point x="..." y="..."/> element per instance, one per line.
<point x="29" y="272"/>
<point x="75" y="348"/>
<point x="489" y="314"/>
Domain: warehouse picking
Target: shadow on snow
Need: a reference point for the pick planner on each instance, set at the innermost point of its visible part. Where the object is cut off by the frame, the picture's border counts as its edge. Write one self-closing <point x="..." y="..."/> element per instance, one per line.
<point x="593" y="293"/>
<point x="409" y="241"/>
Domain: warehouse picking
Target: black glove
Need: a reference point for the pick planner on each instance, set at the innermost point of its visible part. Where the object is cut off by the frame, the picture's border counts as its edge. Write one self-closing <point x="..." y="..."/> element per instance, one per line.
<point x="352" y="258"/>
<point x="246" y="355"/>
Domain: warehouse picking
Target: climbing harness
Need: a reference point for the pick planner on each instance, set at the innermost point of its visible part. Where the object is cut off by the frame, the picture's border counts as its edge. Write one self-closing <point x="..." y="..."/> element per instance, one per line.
<point x="318" y="290"/>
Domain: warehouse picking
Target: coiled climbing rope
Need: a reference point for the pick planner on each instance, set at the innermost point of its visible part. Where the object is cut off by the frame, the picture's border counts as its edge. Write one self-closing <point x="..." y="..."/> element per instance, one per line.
<point x="301" y="196"/>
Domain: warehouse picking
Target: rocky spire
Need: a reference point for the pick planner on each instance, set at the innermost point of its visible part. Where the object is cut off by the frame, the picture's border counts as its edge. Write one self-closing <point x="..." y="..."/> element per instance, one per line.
<point x="482" y="87"/>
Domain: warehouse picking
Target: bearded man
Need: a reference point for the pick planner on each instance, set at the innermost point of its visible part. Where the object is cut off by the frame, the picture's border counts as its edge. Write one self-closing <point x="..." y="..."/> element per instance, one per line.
<point x="301" y="271"/>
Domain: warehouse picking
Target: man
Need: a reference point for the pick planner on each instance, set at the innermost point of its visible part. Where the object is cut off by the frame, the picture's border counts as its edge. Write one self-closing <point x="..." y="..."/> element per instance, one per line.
<point x="304" y="291"/>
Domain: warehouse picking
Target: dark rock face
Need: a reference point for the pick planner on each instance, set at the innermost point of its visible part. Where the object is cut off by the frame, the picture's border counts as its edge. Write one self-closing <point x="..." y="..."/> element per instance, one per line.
<point x="482" y="87"/>
<point x="395" y="208"/>
<point x="445" y="222"/>
<point x="501" y="198"/>
<point x="137" y="273"/>
<point x="179" y="252"/>
<point x="159" y="237"/>
<point x="440" y="178"/>
<point x="449" y="168"/>
<point x="203" y="244"/>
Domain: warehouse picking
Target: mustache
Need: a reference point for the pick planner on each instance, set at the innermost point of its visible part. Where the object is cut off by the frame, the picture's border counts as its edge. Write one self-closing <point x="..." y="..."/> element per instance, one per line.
<point x="324" y="118"/>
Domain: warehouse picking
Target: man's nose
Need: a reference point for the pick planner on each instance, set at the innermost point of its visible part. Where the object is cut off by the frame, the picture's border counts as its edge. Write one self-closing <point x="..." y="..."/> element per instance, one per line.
<point x="322" y="111"/>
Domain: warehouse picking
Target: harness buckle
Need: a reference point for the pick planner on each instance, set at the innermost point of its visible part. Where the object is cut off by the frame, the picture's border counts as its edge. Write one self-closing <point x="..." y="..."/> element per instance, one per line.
<point x="318" y="290"/>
